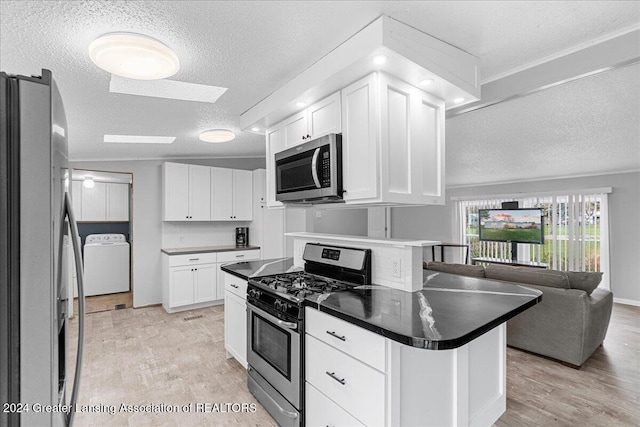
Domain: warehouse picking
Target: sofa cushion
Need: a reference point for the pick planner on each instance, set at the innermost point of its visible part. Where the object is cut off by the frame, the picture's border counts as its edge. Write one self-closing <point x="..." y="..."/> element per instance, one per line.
<point x="533" y="276"/>
<point x="461" y="269"/>
<point x="588" y="281"/>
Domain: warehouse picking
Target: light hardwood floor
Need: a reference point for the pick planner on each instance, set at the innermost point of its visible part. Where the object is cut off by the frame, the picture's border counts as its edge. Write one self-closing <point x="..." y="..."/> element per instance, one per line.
<point x="142" y="356"/>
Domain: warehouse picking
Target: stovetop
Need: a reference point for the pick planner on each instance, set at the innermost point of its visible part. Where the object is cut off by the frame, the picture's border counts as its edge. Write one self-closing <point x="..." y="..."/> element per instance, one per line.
<point x="295" y="287"/>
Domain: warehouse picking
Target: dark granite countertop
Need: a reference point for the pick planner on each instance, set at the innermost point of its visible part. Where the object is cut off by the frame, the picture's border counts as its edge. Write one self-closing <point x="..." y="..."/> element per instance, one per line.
<point x="205" y="249"/>
<point x="263" y="267"/>
<point x="449" y="311"/>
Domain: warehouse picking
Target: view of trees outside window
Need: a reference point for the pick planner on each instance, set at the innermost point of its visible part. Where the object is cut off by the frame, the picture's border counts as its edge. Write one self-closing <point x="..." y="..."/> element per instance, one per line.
<point x="572" y="231"/>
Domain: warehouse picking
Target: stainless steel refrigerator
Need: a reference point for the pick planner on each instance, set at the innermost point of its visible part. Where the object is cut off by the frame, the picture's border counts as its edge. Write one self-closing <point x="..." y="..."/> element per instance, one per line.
<point x="36" y="229"/>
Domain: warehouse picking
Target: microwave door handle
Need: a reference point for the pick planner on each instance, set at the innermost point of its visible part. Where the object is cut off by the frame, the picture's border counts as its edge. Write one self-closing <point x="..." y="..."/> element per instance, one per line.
<point x="314" y="167"/>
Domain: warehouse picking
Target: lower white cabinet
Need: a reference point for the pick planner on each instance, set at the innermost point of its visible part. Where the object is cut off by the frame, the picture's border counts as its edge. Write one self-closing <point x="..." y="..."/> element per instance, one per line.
<point x="322" y="411"/>
<point x="235" y="318"/>
<point x="188" y="281"/>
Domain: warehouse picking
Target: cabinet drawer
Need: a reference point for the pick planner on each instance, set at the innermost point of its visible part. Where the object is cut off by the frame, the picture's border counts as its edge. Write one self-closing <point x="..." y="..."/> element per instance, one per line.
<point x="235" y="285"/>
<point x="322" y="411"/>
<point x="247" y="255"/>
<point x="192" y="259"/>
<point x="359" y="388"/>
<point x="353" y="340"/>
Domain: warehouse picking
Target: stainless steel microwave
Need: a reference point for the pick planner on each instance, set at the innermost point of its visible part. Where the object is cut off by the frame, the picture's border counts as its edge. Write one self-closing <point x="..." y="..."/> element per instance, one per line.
<point x="310" y="172"/>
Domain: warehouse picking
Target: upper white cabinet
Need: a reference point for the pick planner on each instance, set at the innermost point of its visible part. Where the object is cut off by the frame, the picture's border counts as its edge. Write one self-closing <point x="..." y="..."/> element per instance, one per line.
<point x="275" y="144"/>
<point x="393" y="151"/>
<point x="186" y="192"/>
<point x="105" y="201"/>
<point x="231" y="195"/>
<point x="318" y="120"/>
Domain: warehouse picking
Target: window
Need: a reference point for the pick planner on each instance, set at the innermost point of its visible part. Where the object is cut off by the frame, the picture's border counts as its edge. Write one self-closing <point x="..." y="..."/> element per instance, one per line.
<point x="575" y="225"/>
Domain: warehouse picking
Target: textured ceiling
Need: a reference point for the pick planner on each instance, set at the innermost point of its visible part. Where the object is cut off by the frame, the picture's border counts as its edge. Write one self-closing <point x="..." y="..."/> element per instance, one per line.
<point x="253" y="48"/>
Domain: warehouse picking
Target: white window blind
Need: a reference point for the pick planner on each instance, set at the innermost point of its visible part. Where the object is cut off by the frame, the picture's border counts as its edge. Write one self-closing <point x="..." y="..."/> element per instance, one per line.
<point x="575" y="228"/>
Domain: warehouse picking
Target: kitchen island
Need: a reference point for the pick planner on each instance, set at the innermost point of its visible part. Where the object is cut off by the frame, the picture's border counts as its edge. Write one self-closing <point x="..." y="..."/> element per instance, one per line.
<point x="381" y="356"/>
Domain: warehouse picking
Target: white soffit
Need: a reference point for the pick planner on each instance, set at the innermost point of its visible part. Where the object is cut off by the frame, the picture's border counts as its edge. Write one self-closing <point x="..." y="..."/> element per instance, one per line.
<point x="138" y="139"/>
<point x="169" y="89"/>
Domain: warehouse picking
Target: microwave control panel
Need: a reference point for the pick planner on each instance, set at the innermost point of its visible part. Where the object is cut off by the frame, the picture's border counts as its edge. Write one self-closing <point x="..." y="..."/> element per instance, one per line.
<point x="326" y="169"/>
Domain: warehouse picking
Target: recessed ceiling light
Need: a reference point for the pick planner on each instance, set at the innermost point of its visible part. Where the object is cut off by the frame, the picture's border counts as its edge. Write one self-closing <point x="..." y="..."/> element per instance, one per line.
<point x="379" y="59"/>
<point x="426" y="82"/>
<point x="217" y="135"/>
<point x="138" y="139"/>
<point x="255" y="129"/>
<point x="458" y="100"/>
<point x="301" y="104"/>
<point x="88" y="182"/>
<point x="134" y="56"/>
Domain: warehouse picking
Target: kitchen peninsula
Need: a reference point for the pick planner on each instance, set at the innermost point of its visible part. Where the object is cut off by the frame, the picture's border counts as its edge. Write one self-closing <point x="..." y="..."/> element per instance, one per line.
<point x="436" y="356"/>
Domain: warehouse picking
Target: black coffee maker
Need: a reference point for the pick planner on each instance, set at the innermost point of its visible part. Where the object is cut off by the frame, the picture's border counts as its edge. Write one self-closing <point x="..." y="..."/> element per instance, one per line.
<point x="242" y="236"/>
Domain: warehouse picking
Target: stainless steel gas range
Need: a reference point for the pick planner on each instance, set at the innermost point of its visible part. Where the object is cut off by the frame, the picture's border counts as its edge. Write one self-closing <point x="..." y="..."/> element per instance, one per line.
<point x="275" y="324"/>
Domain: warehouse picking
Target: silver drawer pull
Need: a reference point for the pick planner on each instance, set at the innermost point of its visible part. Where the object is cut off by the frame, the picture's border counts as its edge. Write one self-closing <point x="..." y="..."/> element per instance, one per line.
<point x="239" y="256"/>
<point x="333" y="375"/>
<point x="234" y="286"/>
<point x="194" y="259"/>
<point x="333" y="334"/>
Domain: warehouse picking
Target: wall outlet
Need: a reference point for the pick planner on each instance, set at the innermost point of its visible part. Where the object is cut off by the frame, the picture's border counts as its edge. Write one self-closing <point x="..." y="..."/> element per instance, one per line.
<point x="396" y="269"/>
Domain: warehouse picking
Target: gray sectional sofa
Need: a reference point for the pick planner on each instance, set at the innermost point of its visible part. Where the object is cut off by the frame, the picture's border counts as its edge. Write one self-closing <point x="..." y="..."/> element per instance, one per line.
<point x="568" y="325"/>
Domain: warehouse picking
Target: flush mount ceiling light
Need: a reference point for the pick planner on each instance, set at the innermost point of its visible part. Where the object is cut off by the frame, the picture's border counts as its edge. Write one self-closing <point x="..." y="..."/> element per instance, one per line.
<point x="217" y="135"/>
<point x="88" y="182"/>
<point x="255" y="129"/>
<point x="379" y="59"/>
<point x="134" y="56"/>
<point x="426" y="82"/>
<point x="301" y="104"/>
<point x="458" y="100"/>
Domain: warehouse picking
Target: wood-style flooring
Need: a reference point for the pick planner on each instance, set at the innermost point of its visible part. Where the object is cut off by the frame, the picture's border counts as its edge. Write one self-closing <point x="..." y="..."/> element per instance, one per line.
<point x="146" y="356"/>
<point x="97" y="303"/>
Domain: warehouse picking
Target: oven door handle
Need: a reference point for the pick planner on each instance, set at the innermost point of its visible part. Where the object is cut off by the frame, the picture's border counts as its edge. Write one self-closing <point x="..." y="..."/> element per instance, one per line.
<point x="314" y="167"/>
<point x="288" y="325"/>
<point x="283" y="411"/>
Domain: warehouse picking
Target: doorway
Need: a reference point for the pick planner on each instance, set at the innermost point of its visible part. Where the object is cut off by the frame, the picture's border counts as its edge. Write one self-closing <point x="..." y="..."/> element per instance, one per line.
<point x="102" y="203"/>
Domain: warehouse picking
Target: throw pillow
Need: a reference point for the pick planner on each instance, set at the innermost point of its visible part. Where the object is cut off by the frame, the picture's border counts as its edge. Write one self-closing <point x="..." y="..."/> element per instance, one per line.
<point x="532" y="276"/>
<point x="588" y="281"/>
<point x="460" y="269"/>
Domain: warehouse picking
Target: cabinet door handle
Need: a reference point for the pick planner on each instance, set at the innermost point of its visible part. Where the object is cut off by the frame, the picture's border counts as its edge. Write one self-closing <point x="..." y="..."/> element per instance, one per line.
<point x="333" y="375"/>
<point x="194" y="259"/>
<point x="239" y="256"/>
<point x="333" y="334"/>
<point x="234" y="286"/>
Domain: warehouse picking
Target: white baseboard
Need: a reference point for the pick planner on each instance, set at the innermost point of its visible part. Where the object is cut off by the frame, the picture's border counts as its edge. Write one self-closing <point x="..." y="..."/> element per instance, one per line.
<point x="627" y="301"/>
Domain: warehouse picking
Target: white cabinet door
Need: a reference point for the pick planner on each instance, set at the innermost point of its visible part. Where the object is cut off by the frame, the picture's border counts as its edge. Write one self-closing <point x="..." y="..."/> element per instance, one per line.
<point x="275" y="144"/>
<point x="205" y="282"/>
<point x="295" y="129"/>
<point x="221" y="194"/>
<point x="181" y="286"/>
<point x="76" y="199"/>
<point x="272" y="238"/>
<point x="235" y="327"/>
<point x="94" y="202"/>
<point x="199" y="193"/>
<point x="175" y="184"/>
<point x="360" y="139"/>
<point x="259" y="186"/>
<point x="428" y="137"/>
<point x="242" y="195"/>
<point x="117" y="202"/>
<point x="324" y="117"/>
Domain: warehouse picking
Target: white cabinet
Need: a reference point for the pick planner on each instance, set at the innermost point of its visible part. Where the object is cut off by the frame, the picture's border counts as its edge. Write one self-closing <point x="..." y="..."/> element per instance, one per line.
<point x="392" y="141"/>
<point x="318" y="120"/>
<point x="231" y="195"/>
<point x="94" y="202"/>
<point x="76" y="199"/>
<point x="186" y="192"/>
<point x="117" y="202"/>
<point x="188" y="281"/>
<point x="267" y="228"/>
<point x="235" y="318"/>
<point x="275" y="144"/>
<point x="230" y="257"/>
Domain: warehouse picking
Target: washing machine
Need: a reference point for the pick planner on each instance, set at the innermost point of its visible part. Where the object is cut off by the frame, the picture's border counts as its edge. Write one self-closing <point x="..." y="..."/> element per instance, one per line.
<point x="106" y="264"/>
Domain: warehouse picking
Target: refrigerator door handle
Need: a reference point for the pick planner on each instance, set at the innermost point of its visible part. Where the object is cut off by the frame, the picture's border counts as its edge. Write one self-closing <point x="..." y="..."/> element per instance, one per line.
<point x="75" y="238"/>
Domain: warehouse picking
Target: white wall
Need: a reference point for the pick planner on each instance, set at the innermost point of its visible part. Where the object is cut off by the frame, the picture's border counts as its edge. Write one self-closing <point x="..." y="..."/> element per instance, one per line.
<point x="147" y="225"/>
<point x="436" y="222"/>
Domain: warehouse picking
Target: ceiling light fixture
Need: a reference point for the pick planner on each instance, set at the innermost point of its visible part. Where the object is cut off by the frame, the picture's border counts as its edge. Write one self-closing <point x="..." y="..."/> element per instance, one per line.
<point x="134" y="56"/>
<point x="217" y="135"/>
<point x="88" y="182"/>
<point x="301" y="104"/>
<point x="458" y="100"/>
<point x="426" y="82"/>
<point x="379" y="59"/>
<point x="255" y="129"/>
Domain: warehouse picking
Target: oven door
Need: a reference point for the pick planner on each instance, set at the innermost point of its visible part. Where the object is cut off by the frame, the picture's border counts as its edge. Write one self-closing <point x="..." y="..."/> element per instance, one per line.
<point x="273" y="350"/>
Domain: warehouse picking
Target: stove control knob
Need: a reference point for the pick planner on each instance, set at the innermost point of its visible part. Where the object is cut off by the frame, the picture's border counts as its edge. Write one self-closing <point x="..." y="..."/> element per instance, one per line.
<point x="278" y="305"/>
<point x="284" y="307"/>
